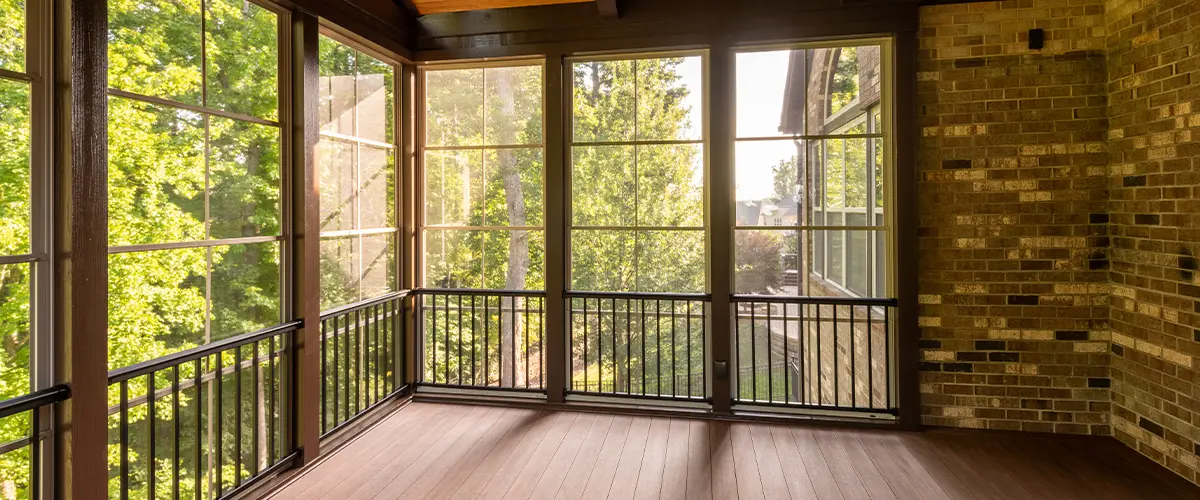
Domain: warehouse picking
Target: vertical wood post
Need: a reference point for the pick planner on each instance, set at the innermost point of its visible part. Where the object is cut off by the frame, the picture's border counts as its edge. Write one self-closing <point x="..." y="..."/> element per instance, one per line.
<point x="557" y="238"/>
<point x="720" y="207"/>
<point x="81" y="250"/>
<point x="410" y="198"/>
<point x="908" y="397"/>
<point x="306" y="236"/>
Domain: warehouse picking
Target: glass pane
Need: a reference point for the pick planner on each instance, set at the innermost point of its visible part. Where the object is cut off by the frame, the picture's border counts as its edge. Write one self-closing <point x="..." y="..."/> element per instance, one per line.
<point x="603" y="260"/>
<point x="514" y="106"/>
<point x="245" y="288"/>
<point x="155" y="174"/>
<point x="766" y="262"/>
<point x="513" y="260"/>
<point x="374" y="98"/>
<point x="855" y="265"/>
<point x="835" y="245"/>
<point x="670" y="261"/>
<point x="843" y="82"/>
<point x="14" y="167"/>
<point x="14" y="329"/>
<point x="770" y="93"/>
<point x="339" y="272"/>
<point x="670" y="99"/>
<point x="514" y="187"/>
<point x="453" y="260"/>
<point x="603" y="190"/>
<point x="857" y="250"/>
<point x="603" y="101"/>
<point x="876" y="147"/>
<point x="243" y="58"/>
<point x="453" y="188"/>
<point x="454" y="107"/>
<point x="337" y="189"/>
<point x="670" y="187"/>
<point x="156" y="304"/>
<point x="856" y="173"/>
<point x="768" y="184"/>
<point x="378" y="265"/>
<point x="378" y="183"/>
<point x="337" y="66"/>
<point x="244" y="172"/>
<point x="154" y="48"/>
<point x="834" y="169"/>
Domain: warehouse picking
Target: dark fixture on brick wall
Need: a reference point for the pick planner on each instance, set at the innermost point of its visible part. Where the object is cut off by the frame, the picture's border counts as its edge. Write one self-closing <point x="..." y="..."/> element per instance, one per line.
<point x="1037" y="39"/>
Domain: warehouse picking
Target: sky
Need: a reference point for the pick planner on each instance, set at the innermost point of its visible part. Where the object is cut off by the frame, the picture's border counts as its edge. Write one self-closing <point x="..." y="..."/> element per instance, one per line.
<point x="761" y="78"/>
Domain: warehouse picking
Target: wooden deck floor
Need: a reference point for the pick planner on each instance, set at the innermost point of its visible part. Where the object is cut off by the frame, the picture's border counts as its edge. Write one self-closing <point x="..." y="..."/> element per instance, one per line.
<point x="431" y="450"/>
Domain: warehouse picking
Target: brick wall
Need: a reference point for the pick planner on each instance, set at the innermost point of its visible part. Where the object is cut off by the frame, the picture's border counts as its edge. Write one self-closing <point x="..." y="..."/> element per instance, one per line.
<point x="1012" y="205"/>
<point x="1154" y="214"/>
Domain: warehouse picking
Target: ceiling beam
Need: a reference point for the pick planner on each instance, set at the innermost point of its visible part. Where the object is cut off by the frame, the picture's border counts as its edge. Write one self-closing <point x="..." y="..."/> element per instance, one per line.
<point x="608" y="9"/>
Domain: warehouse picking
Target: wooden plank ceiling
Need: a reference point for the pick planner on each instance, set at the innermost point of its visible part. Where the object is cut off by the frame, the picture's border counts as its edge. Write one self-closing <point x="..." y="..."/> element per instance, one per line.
<point x="439" y="6"/>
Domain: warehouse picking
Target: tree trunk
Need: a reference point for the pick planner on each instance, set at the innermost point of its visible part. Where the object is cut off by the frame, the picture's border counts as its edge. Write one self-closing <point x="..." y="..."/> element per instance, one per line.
<point x="512" y="367"/>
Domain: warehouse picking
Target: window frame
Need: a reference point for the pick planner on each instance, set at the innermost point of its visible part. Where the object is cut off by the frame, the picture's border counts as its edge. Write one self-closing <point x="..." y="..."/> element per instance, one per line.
<point x="421" y="148"/>
<point x="285" y="240"/>
<point x="820" y="232"/>
<point x="395" y="146"/>
<point x="569" y="144"/>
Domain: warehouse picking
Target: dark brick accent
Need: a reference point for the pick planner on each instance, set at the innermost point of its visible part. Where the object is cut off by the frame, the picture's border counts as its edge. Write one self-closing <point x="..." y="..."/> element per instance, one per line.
<point x="1149" y="425"/>
<point x="989" y="345"/>
<point x="956" y="164"/>
<point x="1004" y="357"/>
<point x="1075" y="335"/>
<point x="1022" y="300"/>
<point x="1099" y="382"/>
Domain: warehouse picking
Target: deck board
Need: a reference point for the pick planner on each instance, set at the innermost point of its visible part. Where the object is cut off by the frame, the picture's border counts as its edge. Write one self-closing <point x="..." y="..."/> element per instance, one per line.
<point x="433" y="450"/>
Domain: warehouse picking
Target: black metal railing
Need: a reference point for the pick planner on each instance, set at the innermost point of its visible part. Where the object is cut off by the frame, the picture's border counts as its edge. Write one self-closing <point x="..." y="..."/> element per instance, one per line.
<point x="206" y="422"/>
<point x="638" y="344"/>
<point x="362" y="358"/>
<point x="830" y="353"/>
<point x="487" y="339"/>
<point x="25" y="414"/>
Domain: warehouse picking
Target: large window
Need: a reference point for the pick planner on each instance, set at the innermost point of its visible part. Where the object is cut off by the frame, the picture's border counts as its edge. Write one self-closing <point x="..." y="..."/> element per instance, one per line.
<point x="358" y="175"/>
<point x="810" y="173"/>
<point x="195" y="164"/>
<point x="637" y="175"/>
<point x="483" y="177"/>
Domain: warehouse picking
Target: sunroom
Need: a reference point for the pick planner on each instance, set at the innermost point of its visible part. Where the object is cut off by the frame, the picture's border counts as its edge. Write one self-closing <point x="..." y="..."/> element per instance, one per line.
<point x="599" y="249"/>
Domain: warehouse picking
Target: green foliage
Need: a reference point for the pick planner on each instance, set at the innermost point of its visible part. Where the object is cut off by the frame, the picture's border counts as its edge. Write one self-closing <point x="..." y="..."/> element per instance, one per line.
<point x="843" y="89"/>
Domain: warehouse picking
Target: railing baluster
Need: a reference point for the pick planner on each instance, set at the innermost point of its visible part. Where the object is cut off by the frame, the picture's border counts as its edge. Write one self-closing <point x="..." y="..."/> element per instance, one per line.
<point x="237" y="423"/>
<point x="324" y="379"/>
<point x="198" y="383"/>
<point x="219" y="416"/>
<point x="175" y="417"/>
<point x="254" y="381"/>
<point x="150" y="411"/>
<point x="124" y="431"/>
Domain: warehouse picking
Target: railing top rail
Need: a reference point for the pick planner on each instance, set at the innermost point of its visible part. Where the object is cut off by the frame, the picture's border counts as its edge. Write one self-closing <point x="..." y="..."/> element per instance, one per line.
<point x="839" y="301"/>
<point x="479" y="291"/>
<point x="198" y="352"/>
<point x="35" y="399"/>
<point x="349" y="308"/>
<point x="572" y="294"/>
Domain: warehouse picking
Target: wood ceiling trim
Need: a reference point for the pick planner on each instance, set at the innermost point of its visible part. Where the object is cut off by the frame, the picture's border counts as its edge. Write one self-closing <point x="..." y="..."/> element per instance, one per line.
<point x="442" y="6"/>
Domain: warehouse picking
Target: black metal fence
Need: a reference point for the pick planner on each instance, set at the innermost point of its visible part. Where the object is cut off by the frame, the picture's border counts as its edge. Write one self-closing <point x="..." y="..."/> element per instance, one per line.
<point x="203" y="423"/>
<point x="482" y="339"/>
<point x="830" y="353"/>
<point x="362" y="358"/>
<point x="28" y="413"/>
<point x="639" y="344"/>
